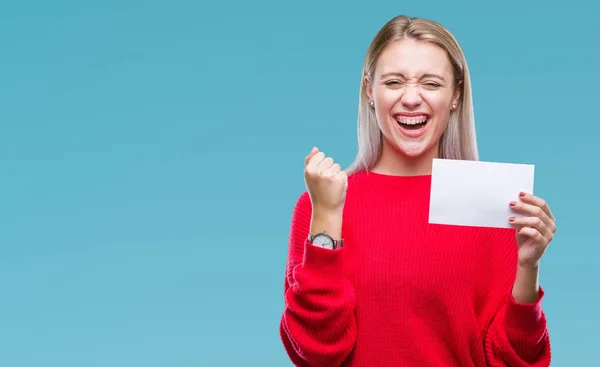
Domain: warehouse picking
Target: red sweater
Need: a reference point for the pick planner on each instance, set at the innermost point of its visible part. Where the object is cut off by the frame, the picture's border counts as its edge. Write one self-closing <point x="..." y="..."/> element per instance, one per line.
<point x="403" y="292"/>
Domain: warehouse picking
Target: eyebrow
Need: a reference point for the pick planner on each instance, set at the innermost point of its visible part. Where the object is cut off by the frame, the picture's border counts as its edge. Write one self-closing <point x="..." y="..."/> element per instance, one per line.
<point x="422" y="76"/>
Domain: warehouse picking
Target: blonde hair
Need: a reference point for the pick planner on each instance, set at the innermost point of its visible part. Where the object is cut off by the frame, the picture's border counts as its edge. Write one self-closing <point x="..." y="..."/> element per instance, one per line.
<point x="459" y="139"/>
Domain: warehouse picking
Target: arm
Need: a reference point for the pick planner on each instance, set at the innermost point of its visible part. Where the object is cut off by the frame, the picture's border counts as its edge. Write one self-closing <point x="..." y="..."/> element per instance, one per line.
<point x="318" y="326"/>
<point x="518" y="335"/>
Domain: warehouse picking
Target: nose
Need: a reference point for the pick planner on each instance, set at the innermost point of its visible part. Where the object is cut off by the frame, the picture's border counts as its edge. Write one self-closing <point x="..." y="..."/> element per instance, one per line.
<point x="411" y="96"/>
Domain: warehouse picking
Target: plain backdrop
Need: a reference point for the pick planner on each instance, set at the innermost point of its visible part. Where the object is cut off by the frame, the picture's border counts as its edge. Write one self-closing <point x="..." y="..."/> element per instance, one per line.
<point x="151" y="153"/>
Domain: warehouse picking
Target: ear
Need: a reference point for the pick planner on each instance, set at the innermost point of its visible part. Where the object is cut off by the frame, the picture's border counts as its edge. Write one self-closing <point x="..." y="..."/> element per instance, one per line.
<point x="368" y="87"/>
<point x="457" y="93"/>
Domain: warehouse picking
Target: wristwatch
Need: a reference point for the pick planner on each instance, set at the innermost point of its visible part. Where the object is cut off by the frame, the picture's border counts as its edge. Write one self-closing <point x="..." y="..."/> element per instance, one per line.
<point x="324" y="240"/>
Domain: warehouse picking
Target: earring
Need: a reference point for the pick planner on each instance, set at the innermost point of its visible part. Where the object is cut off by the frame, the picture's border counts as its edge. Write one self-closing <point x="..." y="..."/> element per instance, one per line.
<point x="371" y="103"/>
<point x="454" y="106"/>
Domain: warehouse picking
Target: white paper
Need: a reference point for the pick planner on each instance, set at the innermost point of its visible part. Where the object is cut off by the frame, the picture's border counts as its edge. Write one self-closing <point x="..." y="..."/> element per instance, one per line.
<point x="475" y="193"/>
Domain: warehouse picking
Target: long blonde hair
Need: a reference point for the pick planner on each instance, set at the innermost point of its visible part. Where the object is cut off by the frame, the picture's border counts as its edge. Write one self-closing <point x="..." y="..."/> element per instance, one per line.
<point x="459" y="140"/>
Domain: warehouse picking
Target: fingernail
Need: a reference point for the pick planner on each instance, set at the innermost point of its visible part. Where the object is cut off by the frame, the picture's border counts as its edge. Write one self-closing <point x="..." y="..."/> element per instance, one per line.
<point x="521" y="194"/>
<point x="513" y="203"/>
<point x="511" y="219"/>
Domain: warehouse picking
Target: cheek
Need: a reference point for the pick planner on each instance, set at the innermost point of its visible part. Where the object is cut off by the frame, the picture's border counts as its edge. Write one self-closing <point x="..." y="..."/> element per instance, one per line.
<point x="386" y="100"/>
<point x="384" y="103"/>
<point x="439" y="105"/>
<point x="383" y="96"/>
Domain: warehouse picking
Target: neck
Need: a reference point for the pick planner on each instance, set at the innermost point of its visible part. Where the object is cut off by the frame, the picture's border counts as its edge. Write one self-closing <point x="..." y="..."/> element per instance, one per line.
<point x="392" y="162"/>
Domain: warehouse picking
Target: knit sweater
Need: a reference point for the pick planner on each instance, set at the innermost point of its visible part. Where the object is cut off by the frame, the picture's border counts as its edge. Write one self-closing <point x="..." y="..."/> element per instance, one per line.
<point x="403" y="292"/>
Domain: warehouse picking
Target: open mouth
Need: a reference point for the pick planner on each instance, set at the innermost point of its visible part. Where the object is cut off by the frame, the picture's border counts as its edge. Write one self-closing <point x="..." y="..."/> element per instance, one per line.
<point x="412" y="123"/>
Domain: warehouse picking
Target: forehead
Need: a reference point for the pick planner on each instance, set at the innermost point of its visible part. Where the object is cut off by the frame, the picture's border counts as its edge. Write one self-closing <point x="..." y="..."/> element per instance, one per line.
<point x="413" y="58"/>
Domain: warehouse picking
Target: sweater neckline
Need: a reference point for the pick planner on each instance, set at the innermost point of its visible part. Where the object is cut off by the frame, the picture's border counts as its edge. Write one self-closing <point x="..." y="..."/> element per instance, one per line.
<point x="397" y="180"/>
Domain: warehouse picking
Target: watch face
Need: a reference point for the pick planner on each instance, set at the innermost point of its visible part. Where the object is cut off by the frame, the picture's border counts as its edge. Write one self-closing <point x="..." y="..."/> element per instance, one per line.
<point x="323" y="240"/>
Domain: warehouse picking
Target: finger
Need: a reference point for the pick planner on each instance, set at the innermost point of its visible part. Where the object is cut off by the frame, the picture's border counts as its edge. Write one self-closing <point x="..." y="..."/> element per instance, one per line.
<point x="335" y="168"/>
<point x="532" y="233"/>
<point x="332" y="171"/>
<point x="325" y="164"/>
<point x="532" y="222"/>
<point x="529" y="209"/>
<point x="312" y="153"/>
<point x="539" y="202"/>
<point x="316" y="160"/>
<point x="344" y="177"/>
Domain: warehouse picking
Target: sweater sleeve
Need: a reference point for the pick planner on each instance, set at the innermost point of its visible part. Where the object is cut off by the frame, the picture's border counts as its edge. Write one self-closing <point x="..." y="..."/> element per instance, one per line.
<point x="518" y="334"/>
<point x="318" y="326"/>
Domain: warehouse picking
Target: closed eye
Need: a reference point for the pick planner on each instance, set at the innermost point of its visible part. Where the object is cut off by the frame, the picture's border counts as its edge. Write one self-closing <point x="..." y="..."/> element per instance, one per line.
<point x="426" y="85"/>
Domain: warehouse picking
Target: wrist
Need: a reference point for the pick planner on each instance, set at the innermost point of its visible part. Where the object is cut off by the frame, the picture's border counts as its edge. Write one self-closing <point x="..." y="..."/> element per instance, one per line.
<point x="327" y="211"/>
<point x="327" y="221"/>
<point x="526" y="287"/>
<point x="528" y="267"/>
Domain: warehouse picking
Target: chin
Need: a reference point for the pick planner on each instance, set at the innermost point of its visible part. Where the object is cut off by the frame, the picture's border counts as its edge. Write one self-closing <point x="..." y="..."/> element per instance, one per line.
<point x="412" y="151"/>
<point x="411" y="148"/>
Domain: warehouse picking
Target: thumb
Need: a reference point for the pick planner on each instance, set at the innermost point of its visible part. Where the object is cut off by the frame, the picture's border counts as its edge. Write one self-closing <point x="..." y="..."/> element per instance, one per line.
<point x="312" y="153"/>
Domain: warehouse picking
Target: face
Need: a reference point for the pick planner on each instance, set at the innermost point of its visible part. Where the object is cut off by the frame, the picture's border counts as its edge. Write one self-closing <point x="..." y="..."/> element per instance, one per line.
<point x="413" y="93"/>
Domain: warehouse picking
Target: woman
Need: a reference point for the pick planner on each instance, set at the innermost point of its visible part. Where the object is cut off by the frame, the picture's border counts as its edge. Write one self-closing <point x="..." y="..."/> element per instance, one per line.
<point x="369" y="282"/>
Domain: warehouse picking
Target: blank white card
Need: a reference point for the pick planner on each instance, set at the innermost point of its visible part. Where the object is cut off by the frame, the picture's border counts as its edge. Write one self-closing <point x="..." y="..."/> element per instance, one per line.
<point x="474" y="193"/>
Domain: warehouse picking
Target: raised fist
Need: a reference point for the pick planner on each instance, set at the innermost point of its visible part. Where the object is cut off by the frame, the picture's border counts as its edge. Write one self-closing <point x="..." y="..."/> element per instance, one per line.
<point x="326" y="183"/>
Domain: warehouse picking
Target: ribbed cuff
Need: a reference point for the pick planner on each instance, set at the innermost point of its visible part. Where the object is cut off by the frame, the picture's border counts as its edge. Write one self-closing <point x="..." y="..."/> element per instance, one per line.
<point x="527" y="317"/>
<point x="322" y="261"/>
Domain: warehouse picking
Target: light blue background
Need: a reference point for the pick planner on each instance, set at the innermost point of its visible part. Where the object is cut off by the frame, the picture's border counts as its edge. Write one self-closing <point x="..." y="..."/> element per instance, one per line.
<point x="151" y="153"/>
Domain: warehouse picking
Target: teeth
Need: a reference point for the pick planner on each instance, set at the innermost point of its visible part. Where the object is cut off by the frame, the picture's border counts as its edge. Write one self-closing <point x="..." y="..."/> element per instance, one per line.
<point x="411" y="120"/>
